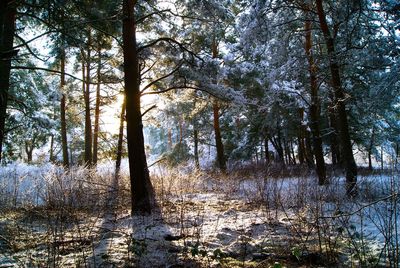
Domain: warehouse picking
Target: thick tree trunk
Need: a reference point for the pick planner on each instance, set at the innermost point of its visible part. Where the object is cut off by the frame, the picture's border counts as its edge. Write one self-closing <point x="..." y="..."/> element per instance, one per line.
<point x="120" y="141"/>
<point x="88" y="121"/>
<point x="315" y="108"/>
<point x="345" y="141"/>
<point x="63" y="119"/>
<point x="97" y="111"/>
<point x="7" y="30"/>
<point x="142" y="191"/>
<point x="196" y="147"/>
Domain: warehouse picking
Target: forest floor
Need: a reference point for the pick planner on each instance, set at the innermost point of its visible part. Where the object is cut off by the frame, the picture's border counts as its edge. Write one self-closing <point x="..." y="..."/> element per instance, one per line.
<point x="249" y="218"/>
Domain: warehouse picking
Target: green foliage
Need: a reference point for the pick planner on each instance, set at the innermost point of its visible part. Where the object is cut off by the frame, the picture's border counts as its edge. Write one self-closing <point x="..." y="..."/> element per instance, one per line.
<point x="296" y="252"/>
<point x="277" y="265"/>
<point x="179" y="154"/>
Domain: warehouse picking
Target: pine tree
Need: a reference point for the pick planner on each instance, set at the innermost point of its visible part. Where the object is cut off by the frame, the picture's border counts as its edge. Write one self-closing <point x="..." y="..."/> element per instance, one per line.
<point x="8" y="10"/>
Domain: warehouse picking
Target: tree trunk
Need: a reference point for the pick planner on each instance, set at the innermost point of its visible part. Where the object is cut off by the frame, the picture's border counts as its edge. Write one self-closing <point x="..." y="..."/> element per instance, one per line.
<point x="120" y="142"/>
<point x="29" y="151"/>
<point x="196" y="147"/>
<point x="278" y="145"/>
<point x="315" y="108"/>
<point x="63" y="119"/>
<point x="345" y="141"/>
<point x="97" y="111"/>
<point x="266" y="148"/>
<point x="371" y="145"/>
<point x="218" y="140"/>
<point x="300" y="143"/>
<point x="51" y="157"/>
<point x="300" y="138"/>
<point x="293" y="154"/>
<point x="217" y="130"/>
<point x="7" y="30"/>
<point x="309" y="150"/>
<point x="335" y="150"/>
<point x="141" y="189"/>
<point x="286" y="152"/>
<point x="88" y="122"/>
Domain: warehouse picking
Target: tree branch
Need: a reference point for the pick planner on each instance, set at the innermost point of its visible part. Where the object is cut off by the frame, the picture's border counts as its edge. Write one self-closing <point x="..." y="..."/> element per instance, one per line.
<point x="168" y="40"/>
<point x="162" y="77"/>
<point x="149" y="109"/>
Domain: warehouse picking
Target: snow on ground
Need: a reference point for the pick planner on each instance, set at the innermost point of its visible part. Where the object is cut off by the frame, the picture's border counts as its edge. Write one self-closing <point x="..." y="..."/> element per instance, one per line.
<point x="212" y="220"/>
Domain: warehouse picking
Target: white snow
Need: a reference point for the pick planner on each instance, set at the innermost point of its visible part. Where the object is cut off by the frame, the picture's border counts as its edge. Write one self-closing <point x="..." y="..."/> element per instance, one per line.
<point x="206" y="219"/>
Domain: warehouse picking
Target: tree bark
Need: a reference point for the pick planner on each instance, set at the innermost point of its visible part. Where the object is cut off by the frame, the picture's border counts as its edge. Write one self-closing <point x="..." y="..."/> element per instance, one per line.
<point x="217" y="130"/>
<point x="300" y="143"/>
<point x="51" y="157"/>
<point x="7" y="30"/>
<point x="63" y="119"/>
<point x="315" y="108"/>
<point x="97" y="111"/>
<point x="120" y="141"/>
<point x="309" y="150"/>
<point x="218" y="139"/>
<point x="345" y="141"/>
<point x="88" y="122"/>
<point x="142" y="191"/>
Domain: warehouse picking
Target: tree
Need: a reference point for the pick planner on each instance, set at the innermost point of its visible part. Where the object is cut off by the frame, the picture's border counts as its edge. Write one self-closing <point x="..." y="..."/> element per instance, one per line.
<point x="141" y="188"/>
<point x="120" y="142"/>
<point x="86" y="62"/>
<point x="63" y="119"/>
<point x="315" y="106"/>
<point x="8" y="10"/>
<point x="340" y="99"/>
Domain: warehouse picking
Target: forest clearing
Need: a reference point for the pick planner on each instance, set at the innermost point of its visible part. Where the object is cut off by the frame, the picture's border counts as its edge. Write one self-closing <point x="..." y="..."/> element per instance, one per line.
<point x="199" y="133"/>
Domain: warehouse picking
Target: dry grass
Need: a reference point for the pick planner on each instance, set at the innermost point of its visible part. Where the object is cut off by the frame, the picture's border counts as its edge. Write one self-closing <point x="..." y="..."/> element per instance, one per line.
<point x="249" y="217"/>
